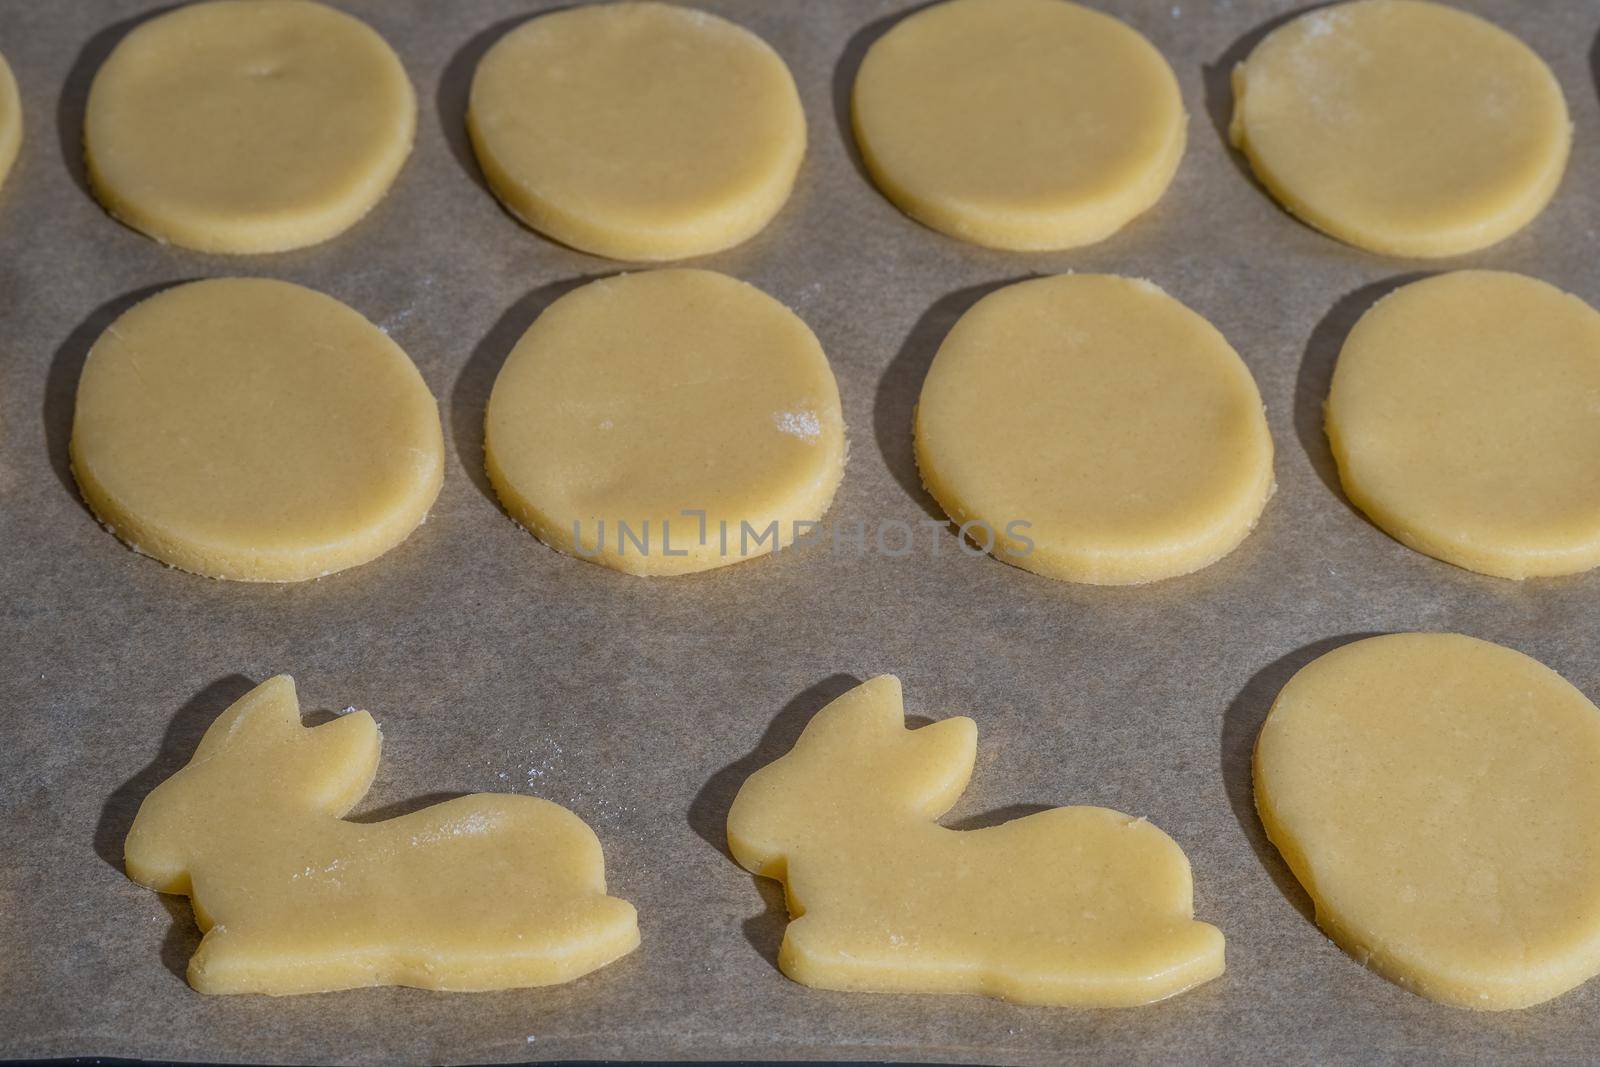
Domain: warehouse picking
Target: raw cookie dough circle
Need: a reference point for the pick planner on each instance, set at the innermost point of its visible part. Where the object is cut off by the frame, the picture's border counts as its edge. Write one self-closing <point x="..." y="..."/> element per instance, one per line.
<point x="1093" y="429"/>
<point x="247" y="125"/>
<point x="1019" y="124"/>
<point x="10" y="120"/>
<point x="251" y="429"/>
<point x="1436" y="795"/>
<point x="639" y="131"/>
<point x="637" y="398"/>
<point x="1402" y="127"/>
<point x="1463" y="418"/>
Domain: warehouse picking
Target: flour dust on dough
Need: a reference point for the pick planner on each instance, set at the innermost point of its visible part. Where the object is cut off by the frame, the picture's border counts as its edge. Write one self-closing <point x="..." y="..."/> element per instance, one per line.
<point x="666" y="422"/>
<point x="488" y="891"/>
<point x="247" y="126"/>
<point x="1437" y="797"/>
<point x="1403" y="127"/>
<point x="637" y="130"/>
<point x="252" y="429"/>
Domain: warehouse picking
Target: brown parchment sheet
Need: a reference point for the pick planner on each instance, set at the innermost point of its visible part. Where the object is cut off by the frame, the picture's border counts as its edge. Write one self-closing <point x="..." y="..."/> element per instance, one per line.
<point x="494" y="664"/>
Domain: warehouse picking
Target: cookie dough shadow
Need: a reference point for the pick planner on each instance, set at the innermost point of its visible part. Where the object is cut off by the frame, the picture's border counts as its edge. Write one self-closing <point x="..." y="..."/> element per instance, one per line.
<point x="61" y="381"/>
<point x="844" y="81"/>
<point x="895" y="401"/>
<point x="708" y="812"/>
<point x="454" y="92"/>
<point x="182" y="735"/>
<point x="1316" y="376"/>
<point x="469" y="396"/>
<point x="1217" y="78"/>
<point x="1594" y="63"/>
<point x="1241" y="723"/>
<point x="74" y="98"/>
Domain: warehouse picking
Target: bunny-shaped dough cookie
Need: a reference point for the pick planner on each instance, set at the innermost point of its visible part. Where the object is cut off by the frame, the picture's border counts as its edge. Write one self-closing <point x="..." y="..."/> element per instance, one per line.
<point x="1076" y="905"/>
<point x="482" y="892"/>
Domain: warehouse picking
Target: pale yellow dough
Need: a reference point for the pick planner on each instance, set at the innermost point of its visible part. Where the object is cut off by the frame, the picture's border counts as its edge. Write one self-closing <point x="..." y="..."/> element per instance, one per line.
<point x="252" y="429"/>
<point x="247" y="125"/>
<point x="1080" y="906"/>
<point x="10" y="120"/>
<point x="488" y="891"/>
<point x="1091" y="428"/>
<point x="1465" y="418"/>
<point x="1402" y="127"/>
<point x="640" y="131"/>
<point x="1437" y="797"/>
<point x="666" y="422"/>
<point x="1019" y="124"/>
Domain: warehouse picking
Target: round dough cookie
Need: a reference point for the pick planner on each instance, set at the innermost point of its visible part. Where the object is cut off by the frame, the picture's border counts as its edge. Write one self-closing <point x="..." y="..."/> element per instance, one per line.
<point x="10" y="120"/>
<point x="1018" y="124"/>
<point x="666" y="422"/>
<point x="247" y="125"/>
<point x="1436" y="795"/>
<point x="639" y="131"/>
<point x="251" y="429"/>
<point x="1093" y="429"/>
<point x="1463" y="416"/>
<point x="1402" y="127"/>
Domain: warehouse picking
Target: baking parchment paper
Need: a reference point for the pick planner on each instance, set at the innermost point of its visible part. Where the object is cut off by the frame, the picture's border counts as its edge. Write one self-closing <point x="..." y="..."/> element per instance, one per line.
<point x="495" y="664"/>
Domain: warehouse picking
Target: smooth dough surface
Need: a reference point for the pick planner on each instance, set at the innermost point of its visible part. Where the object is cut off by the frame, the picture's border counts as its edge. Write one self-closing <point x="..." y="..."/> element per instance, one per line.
<point x="1438" y="798"/>
<point x="1091" y="428"/>
<point x="487" y="891"/>
<point x="247" y="125"/>
<point x="641" y="399"/>
<point x="1402" y="127"/>
<point x="1018" y="124"/>
<point x="640" y="131"/>
<point x="10" y="119"/>
<point x="1080" y="905"/>
<point x="252" y="429"/>
<point x="1465" y="418"/>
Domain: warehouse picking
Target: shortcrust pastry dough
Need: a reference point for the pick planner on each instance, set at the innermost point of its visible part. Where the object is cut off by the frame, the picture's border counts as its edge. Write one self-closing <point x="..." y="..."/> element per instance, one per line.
<point x="681" y="405"/>
<point x="487" y="891"/>
<point x="1403" y="127"/>
<point x="10" y="120"/>
<point x="1465" y="418"/>
<point x="1091" y="428"/>
<point x="248" y="125"/>
<point x="1018" y="124"/>
<point x="252" y="429"/>
<point x="1437" y="797"/>
<point x="1080" y="905"/>
<point x="641" y="131"/>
